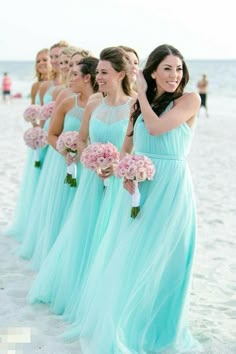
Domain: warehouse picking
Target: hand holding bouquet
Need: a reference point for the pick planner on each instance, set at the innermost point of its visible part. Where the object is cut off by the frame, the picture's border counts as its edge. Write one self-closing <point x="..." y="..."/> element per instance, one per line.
<point x="137" y="168"/>
<point x="32" y="114"/>
<point x="99" y="156"/>
<point x="36" y="138"/>
<point x="46" y="110"/>
<point x="67" y="144"/>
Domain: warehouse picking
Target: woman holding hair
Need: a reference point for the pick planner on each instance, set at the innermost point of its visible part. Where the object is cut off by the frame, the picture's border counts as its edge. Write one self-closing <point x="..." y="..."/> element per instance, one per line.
<point x="135" y="298"/>
<point x="105" y="120"/>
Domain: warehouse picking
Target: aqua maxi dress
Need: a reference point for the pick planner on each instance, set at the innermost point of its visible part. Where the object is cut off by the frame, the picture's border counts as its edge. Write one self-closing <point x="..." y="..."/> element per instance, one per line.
<point x="67" y="265"/>
<point x="52" y="200"/>
<point x="136" y="296"/>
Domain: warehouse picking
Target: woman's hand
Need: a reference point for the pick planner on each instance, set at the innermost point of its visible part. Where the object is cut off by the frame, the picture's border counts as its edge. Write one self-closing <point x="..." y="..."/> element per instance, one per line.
<point x="141" y="83"/>
<point x="71" y="159"/>
<point x="106" y="172"/>
<point x="128" y="184"/>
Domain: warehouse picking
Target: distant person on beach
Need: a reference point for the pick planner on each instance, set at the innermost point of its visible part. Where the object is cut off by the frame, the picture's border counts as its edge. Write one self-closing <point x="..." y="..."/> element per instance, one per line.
<point x="6" y="88"/>
<point x="202" y="86"/>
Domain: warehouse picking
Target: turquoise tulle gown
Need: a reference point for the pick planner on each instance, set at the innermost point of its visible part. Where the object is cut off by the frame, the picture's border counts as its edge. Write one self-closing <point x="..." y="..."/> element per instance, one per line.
<point x="67" y="265"/>
<point x="136" y="296"/>
<point x="28" y="186"/>
<point x="52" y="200"/>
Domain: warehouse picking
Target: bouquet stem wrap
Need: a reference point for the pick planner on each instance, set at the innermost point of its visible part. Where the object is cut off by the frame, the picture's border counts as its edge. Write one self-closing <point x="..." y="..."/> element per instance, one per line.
<point x="36" y="158"/>
<point x="67" y="143"/>
<point x="71" y="172"/>
<point x="135" y="201"/>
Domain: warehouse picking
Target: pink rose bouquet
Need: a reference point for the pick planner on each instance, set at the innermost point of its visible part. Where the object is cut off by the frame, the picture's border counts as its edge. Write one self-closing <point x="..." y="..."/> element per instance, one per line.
<point x="46" y="110"/>
<point x="137" y="168"/>
<point x="67" y="142"/>
<point x="32" y="114"/>
<point x="98" y="156"/>
<point x="36" y="138"/>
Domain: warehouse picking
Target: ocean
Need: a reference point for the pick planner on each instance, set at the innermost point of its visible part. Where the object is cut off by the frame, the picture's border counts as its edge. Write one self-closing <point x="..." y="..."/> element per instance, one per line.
<point x="221" y="75"/>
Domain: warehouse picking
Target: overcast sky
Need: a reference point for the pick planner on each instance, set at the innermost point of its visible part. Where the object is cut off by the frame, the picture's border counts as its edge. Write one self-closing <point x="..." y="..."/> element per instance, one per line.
<point x="199" y="29"/>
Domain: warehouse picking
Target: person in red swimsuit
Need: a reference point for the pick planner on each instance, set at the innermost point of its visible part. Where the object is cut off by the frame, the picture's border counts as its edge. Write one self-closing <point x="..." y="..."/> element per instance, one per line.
<point x="6" y="87"/>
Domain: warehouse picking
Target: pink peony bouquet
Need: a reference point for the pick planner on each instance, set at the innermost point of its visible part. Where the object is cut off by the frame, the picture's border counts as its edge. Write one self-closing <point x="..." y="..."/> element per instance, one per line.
<point x="67" y="142"/>
<point x="36" y="138"/>
<point x="46" y="110"/>
<point x="32" y="114"/>
<point x="98" y="156"/>
<point x="137" y="168"/>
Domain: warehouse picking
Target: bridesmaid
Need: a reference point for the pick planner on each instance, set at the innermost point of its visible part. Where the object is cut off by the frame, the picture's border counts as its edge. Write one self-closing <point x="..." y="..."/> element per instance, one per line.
<point x="31" y="174"/>
<point x="70" y="57"/>
<point x="43" y="69"/>
<point x="45" y="92"/>
<point x="133" y="59"/>
<point x="105" y="120"/>
<point x="53" y="197"/>
<point x="135" y="299"/>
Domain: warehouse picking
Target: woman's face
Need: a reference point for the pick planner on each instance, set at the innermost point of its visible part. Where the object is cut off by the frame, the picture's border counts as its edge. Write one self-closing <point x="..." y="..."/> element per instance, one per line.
<point x="107" y="77"/>
<point x="74" y="61"/>
<point x="43" y="64"/>
<point x="55" y="58"/>
<point x="133" y="66"/>
<point x="168" y="74"/>
<point x="64" y="63"/>
<point x="77" y="79"/>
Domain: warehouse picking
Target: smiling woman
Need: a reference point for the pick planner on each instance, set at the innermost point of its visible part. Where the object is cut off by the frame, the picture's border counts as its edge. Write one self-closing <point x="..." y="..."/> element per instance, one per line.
<point x="142" y="270"/>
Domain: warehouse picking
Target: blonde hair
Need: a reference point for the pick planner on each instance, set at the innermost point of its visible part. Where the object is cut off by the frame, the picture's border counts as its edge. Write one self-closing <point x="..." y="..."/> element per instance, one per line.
<point x="37" y="73"/>
<point x="60" y="44"/>
<point x="69" y="50"/>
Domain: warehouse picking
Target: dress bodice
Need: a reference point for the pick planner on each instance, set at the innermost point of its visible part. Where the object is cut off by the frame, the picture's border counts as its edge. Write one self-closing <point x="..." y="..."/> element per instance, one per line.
<point x="175" y="142"/>
<point x="37" y="98"/>
<point x="73" y="117"/>
<point x="48" y="94"/>
<point x="109" y="123"/>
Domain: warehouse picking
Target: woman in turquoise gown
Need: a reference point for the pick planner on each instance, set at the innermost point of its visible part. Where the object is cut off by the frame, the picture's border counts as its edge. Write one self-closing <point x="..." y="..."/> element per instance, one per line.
<point x="105" y="120"/>
<point x="53" y="197"/>
<point x="31" y="174"/>
<point x="136" y="296"/>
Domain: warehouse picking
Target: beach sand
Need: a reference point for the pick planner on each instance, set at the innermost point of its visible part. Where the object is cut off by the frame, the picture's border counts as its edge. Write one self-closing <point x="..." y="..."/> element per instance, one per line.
<point x="212" y="305"/>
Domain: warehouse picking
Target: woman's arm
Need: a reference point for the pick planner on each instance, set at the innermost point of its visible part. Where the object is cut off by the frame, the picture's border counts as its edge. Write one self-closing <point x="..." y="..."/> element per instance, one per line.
<point x="84" y="128"/>
<point x="57" y="121"/>
<point x="43" y="89"/>
<point x="34" y="90"/>
<point x="127" y="146"/>
<point x="185" y="109"/>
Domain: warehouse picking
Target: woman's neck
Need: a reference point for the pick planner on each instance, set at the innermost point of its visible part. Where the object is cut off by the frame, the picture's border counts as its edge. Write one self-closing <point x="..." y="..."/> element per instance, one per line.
<point x="84" y="96"/>
<point x="116" y="98"/>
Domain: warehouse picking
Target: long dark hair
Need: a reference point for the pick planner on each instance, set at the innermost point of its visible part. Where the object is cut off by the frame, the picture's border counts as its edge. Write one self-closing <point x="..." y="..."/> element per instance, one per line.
<point x="160" y="103"/>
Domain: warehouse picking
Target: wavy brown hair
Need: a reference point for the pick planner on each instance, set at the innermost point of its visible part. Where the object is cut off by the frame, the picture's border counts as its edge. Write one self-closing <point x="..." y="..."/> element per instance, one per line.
<point x="159" y="103"/>
<point x="119" y="61"/>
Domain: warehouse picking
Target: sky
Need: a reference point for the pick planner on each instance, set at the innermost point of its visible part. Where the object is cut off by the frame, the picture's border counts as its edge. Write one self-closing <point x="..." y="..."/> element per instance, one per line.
<point x="199" y="29"/>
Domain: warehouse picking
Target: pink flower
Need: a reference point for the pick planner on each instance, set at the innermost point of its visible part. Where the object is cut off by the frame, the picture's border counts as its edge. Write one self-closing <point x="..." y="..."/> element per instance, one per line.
<point x="35" y="138"/>
<point x="46" y="110"/>
<point x="137" y="168"/>
<point x="67" y="141"/>
<point x="99" y="155"/>
<point x="32" y="113"/>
